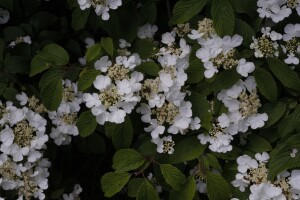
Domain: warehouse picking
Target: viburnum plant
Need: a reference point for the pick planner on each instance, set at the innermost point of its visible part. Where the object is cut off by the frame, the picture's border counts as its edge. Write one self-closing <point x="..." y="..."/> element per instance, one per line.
<point x="150" y="99"/>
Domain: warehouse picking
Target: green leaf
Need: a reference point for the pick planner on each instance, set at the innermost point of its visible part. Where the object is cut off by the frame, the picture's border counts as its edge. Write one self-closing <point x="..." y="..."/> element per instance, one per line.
<point x="149" y="67"/>
<point x="57" y="193"/>
<point x="243" y="29"/>
<point x="54" y="54"/>
<point x="8" y="4"/>
<point x="2" y="88"/>
<point x="113" y="182"/>
<point x="290" y="123"/>
<point x="143" y="47"/>
<point x="213" y="161"/>
<point x="195" y="72"/>
<point x="134" y="186"/>
<point x="12" y="32"/>
<point x="285" y="74"/>
<point x="147" y="192"/>
<point x="16" y="64"/>
<point x="121" y="134"/>
<point x="274" y="112"/>
<point x="173" y="176"/>
<point x="266" y="84"/>
<point x="187" y="149"/>
<point x="184" y="10"/>
<point x="108" y="45"/>
<point x="1" y="50"/>
<point x="38" y="65"/>
<point x="93" y="52"/>
<point x="127" y="159"/>
<point x="86" y="124"/>
<point x="87" y="78"/>
<point x="200" y="108"/>
<point x="225" y="80"/>
<point x="79" y="18"/>
<point x="223" y="17"/>
<point x="281" y="159"/>
<point x="10" y="94"/>
<point x="186" y="192"/>
<point x="258" y="144"/>
<point x="217" y="187"/>
<point x="51" y="89"/>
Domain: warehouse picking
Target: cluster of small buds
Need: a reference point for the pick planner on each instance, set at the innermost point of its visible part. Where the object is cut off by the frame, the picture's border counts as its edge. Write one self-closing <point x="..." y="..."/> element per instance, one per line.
<point x="166" y="111"/>
<point x="18" y="40"/>
<point x="266" y="45"/>
<point x="277" y="10"/>
<point x="254" y="173"/>
<point x="218" y="53"/>
<point x="23" y="138"/>
<point x="74" y="195"/>
<point x="4" y="16"/>
<point x="118" y="88"/>
<point x="242" y="103"/>
<point x="182" y="29"/>
<point x="101" y="6"/>
<point x="65" y="117"/>
<point x="31" y="102"/>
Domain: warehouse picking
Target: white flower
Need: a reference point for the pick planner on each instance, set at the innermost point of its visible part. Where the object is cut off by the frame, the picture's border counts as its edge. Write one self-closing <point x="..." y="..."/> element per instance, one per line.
<point x="295" y="179"/>
<point x="266" y="191"/>
<point x="23" y="98"/>
<point x="168" y="38"/>
<point x="210" y="69"/>
<point x="244" y="68"/>
<point x="103" y="64"/>
<point x="89" y="42"/>
<point x="291" y="31"/>
<point x="4" y="16"/>
<point x="123" y="43"/>
<point x="101" y="82"/>
<point x="147" y="31"/>
<point x="263" y="157"/>
<point x="164" y="145"/>
<point x="274" y="9"/>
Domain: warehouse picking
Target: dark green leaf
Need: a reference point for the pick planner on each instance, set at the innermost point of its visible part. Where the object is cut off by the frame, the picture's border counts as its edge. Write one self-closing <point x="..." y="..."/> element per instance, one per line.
<point x="79" y="18"/>
<point x="86" y="124"/>
<point x="258" y="144"/>
<point x="127" y="159"/>
<point x="54" y="54"/>
<point x="121" y="134"/>
<point x="195" y="71"/>
<point x="149" y="67"/>
<point x="217" y="187"/>
<point x="285" y="74"/>
<point x="243" y="29"/>
<point x="266" y="84"/>
<point x="87" y="78"/>
<point x="184" y="10"/>
<point x="108" y="45"/>
<point x="113" y="182"/>
<point x="134" y="186"/>
<point x="274" y="112"/>
<point x="186" y="192"/>
<point x="93" y="52"/>
<point x="173" y="176"/>
<point x="39" y="65"/>
<point x="223" y="17"/>
<point x="147" y="192"/>
<point x="225" y="80"/>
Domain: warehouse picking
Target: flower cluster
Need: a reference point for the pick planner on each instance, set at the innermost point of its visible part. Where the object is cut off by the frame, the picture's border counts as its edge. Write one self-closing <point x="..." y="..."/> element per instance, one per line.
<point x="23" y="139"/>
<point x="65" y="118"/>
<point x="218" y="53"/>
<point x="242" y="102"/>
<point x="277" y="10"/>
<point x="164" y="107"/>
<point x="254" y="173"/>
<point x="117" y="89"/>
<point x="101" y="6"/>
